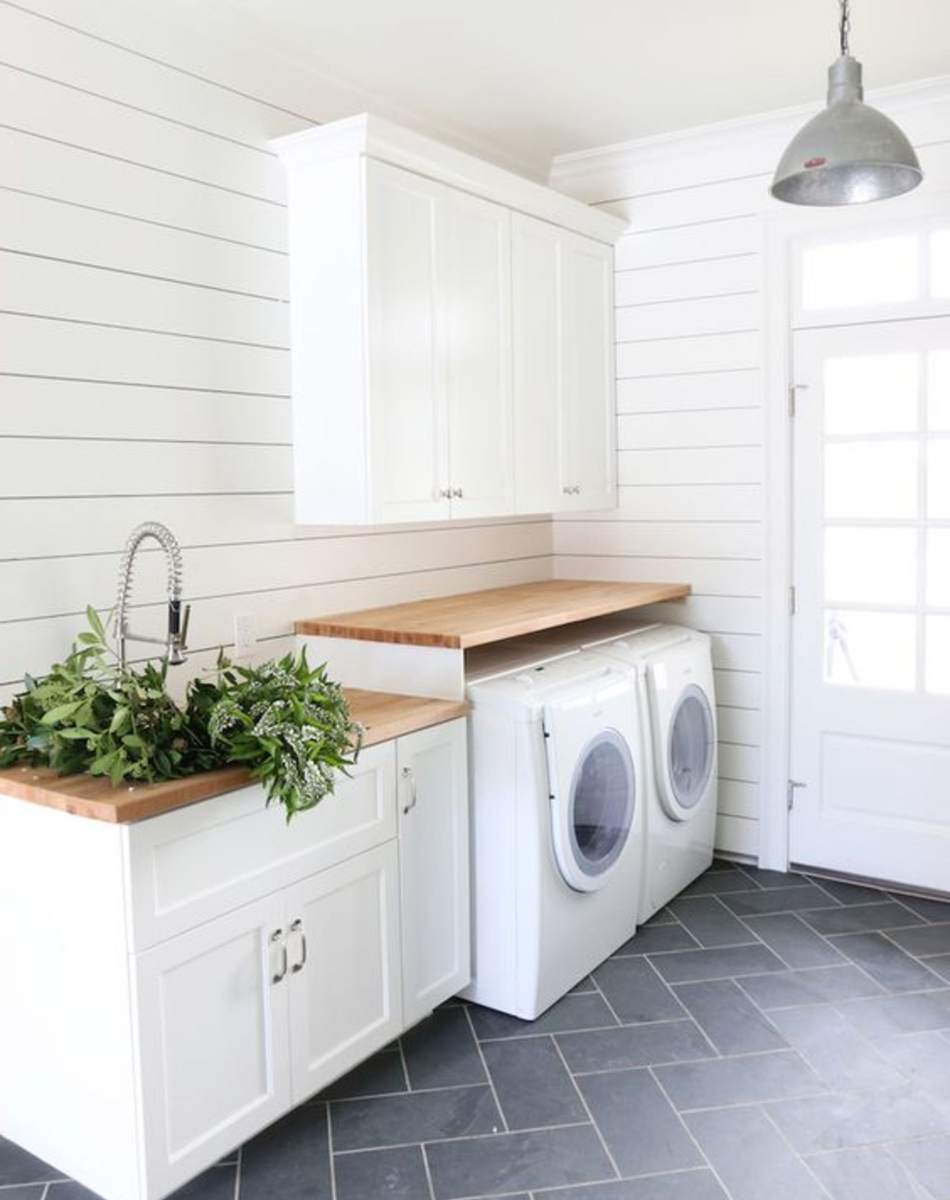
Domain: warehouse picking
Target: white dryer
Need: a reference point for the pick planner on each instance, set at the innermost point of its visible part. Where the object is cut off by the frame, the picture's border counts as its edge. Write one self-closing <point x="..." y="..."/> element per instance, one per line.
<point x="677" y="691"/>
<point x="557" y="820"/>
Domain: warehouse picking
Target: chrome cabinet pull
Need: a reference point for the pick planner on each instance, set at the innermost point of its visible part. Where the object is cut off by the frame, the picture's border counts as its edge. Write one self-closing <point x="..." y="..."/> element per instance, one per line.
<point x="275" y="938"/>
<point x="301" y="962"/>
<point x="445" y="494"/>
<point x="456" y="493"/>
<point x="413" y="794"/>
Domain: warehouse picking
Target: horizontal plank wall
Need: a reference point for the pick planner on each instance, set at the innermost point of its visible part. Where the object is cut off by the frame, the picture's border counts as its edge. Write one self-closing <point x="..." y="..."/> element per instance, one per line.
<point x="694" y="432"/>
<point x="144" y="366"/>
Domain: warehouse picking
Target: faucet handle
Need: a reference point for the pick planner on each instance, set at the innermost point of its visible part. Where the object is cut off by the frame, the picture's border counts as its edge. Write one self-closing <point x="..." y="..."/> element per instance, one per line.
<point x="183" y="637"/>
<point x="177" y="631"/>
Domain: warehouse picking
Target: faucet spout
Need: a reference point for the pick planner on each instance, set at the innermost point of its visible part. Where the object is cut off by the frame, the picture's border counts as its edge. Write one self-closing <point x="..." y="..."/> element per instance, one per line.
<point x="175" y="640"/>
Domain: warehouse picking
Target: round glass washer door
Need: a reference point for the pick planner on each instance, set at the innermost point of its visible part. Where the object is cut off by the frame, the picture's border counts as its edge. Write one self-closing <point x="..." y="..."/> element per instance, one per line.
<point x="594" y="826"/>
<point x="690" y="750"/>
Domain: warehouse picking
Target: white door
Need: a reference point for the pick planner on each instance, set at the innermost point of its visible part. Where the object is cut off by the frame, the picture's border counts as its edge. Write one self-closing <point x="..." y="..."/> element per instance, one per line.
<point x="588" y="412"/>
<point x="433" y="866"/>
<point x="344" y="969"/>
<point x="213" y="1034"/>
<point x="871" y="634"/>
<point x="476" y="269"/>
<point x="406" y="234"/>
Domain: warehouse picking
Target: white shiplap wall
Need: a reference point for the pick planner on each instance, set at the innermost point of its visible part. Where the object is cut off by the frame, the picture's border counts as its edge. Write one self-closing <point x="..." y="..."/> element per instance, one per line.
<point x="702" y="424"/>
<point x="144" y="370"/>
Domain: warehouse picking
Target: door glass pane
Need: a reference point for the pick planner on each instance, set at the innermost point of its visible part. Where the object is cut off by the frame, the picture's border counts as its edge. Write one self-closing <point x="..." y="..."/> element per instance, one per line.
<point x="691" y="747"/>
<point x="938" y="568"/>
<point x="937" y="646"/>
<point x="871" y="479"/>
<point x="602" y="803"/>
<point x="938" y="390"/>
<point x="940" y="263"/>
<point x="877" y="650"/>
<point x="938" y="480"/>
<point x="871" y="566"/>
<point x="872" y="394"/>
<point x="855" y="274"/>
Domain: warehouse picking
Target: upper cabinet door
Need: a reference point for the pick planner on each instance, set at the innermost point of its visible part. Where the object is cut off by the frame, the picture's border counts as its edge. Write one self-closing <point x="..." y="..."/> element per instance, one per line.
<point x="536" y="341"/>
<point x="406" y="230"/>
<point x="588" y="459"/>
<point x="476" y="268"/>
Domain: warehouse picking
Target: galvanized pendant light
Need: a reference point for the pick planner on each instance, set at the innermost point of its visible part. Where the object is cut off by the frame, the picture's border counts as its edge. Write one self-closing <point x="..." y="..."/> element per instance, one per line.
<point x="850" y="153"/>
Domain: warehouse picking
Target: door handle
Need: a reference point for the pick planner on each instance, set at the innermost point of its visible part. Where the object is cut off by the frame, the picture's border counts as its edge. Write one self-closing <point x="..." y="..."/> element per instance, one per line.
<point x="301" y="962"/>
<point x="413" y="794"/>
<point x="277" y="937"/>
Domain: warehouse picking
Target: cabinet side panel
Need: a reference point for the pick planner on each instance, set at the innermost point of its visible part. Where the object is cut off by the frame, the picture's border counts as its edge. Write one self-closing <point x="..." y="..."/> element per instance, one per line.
<point x="325" y="212"/>
<point x="67" y="1083"/>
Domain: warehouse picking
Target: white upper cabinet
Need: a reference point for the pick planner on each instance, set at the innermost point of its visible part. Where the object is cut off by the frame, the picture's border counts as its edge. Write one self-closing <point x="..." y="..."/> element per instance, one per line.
<point x="445" y="365"/>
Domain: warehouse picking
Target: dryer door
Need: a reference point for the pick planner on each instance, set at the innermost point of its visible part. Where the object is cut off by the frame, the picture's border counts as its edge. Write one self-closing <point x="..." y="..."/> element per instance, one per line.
<point x="685" y="751"/>
<point x="593" y="780"/>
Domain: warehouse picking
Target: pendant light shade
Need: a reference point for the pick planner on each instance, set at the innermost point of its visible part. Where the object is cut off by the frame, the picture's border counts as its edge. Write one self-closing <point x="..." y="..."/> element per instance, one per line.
<point x="850" y="153"/>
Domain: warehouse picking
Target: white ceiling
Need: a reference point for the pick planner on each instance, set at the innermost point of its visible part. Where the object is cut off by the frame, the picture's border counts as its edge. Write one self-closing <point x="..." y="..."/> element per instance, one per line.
<point x="525" y="79"/>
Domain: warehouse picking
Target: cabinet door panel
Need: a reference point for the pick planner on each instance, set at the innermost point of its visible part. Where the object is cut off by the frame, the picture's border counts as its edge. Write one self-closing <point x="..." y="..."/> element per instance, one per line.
<point x="588" y="429"/>
<point x="345" y="967"/>
<point x="213" y="1036"/>
<point x="433" y="866"/>
<point x="536" y="319"/>
<point x="477" y="270"/>
<point x="406" y="361"/>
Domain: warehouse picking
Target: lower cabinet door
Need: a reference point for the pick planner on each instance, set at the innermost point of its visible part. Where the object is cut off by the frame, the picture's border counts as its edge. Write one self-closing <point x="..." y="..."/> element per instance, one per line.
<point x="343" y="944"/>
<point x="213" y="1040"/>
<point x="433" y="866"/>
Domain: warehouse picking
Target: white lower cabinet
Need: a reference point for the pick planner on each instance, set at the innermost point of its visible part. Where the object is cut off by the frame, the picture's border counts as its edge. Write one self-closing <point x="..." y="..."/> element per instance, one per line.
<point x="308" y="948"/>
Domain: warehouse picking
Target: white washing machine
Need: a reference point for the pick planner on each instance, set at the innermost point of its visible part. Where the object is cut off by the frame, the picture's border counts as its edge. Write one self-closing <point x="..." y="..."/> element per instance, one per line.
<point x="675" y="682"/>
<point x="557" y="827"/>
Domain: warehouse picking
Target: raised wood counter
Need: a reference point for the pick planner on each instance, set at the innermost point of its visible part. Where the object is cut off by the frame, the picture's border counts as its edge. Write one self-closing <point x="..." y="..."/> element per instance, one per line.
<point x="383" y="714"/>
<point x="477" y="618"/>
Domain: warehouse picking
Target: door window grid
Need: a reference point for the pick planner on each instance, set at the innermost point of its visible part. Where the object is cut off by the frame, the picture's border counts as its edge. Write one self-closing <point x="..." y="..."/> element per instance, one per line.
<point x="929" y="632"/>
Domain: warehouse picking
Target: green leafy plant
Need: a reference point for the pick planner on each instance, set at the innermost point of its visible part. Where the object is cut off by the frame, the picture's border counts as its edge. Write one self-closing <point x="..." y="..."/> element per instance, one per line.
<point x="285" y="721"/>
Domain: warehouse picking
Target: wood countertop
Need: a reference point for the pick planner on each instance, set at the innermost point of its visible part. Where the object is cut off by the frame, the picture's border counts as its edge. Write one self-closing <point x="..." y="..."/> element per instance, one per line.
<point x="476" y="618"/>
<point x="384" y="715"/>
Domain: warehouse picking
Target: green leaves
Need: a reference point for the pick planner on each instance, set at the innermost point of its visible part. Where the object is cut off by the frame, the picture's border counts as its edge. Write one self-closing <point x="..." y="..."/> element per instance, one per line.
<point x="285" y="720"/>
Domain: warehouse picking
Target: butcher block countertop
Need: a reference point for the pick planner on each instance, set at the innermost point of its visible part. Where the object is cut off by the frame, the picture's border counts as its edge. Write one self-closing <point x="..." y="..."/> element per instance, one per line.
<point x="477" y="618"/>
<point x="384" y="715"/>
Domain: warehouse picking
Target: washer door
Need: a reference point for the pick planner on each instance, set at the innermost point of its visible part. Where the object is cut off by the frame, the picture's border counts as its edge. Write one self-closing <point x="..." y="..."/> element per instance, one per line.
<point x="690" y="752"/>
<point x="592" y="823"/>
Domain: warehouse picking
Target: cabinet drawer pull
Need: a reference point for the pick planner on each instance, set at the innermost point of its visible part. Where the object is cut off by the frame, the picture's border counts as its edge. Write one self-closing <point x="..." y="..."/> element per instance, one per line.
<point x="413" y="794"/>
<point x="445" y="494"/>
<point x="275" y="938"/>
<point x="301" y="962"/>
<point x="455" y="493"/>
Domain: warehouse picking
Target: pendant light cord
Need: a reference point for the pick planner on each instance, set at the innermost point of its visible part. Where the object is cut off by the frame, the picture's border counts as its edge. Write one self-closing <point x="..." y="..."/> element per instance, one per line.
<point x="845" y="27"/>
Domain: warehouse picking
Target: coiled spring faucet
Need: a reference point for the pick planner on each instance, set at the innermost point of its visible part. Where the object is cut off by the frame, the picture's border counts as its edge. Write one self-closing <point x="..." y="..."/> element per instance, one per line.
<point x="175" y="640"/>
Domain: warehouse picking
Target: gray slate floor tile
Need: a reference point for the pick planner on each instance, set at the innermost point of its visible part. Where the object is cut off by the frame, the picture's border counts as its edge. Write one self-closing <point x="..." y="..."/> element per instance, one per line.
<point x="27" y="1192"/>
<point x="887" y="963"/>
<point x="17" y="1166"/>
<point x="698" y="1184"/>
<point x="864" y="1173"/>
<point x="771" y="879"/>
<point x="532" y="1084"/>
<point x="380" y="1075"/>
<point x="642" y="1132"/>
<point x="574" y="1011"/>
<point x="861" y="918"/>
<point x="728" y="1017"/>
<point x="653" y="939"/>
<point x="290" y="1159"/>
<point x="775" y="900"/>
<point x="635" y="992"/>
<point x="924" y="940"/>
<point x="749" y="1079"/>
<point x="584" y="985"/>
<point x="928" y="1161"/>
<point x="793" y="941"/>
<point x="835" y="1051"/>
<point x="849" y="893"/>
<point x="840" y="1119"/>
<point x="710" y="922"/>
<point x="750" y="1156"/>
<point x="941" y="965"/>
<point x="441" y="1051"/>
<point x="514" y="1161"/>
<point x="924" y="1058"/>
<point x="786" y="988"/>
<point x="688" y="966"/>
<point x="930" y="910"/>
<point x="634" y="1046"/>
<point x="415" y="1117"/>
<point x="398" y="1172"/>
<point x="914" y="1012"/>
<point x="717" y="883"/>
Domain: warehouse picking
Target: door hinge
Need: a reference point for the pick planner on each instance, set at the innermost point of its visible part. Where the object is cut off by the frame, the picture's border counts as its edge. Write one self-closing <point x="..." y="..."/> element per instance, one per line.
<point x="790" y="792"/>
<point x="793" y="389"/>
<point x="791" y="601"/>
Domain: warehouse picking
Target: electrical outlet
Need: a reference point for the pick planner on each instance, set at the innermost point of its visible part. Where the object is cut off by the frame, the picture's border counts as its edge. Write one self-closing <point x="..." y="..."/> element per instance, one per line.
<point x="245" y="635"/>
